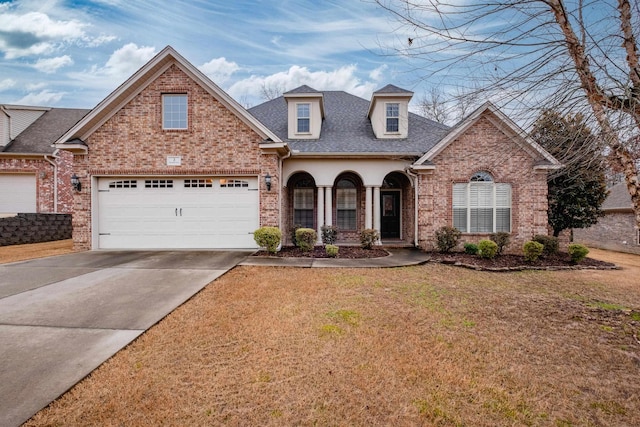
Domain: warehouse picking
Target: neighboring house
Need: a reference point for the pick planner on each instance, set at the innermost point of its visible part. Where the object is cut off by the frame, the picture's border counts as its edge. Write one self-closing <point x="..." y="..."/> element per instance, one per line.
<point x="169" y="160"/>
<point x="616" y="230"/>
<point x="35" y="176"/>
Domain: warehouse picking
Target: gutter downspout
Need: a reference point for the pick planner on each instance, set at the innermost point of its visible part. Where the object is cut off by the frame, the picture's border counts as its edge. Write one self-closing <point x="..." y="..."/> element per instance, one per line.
<point x="415" y="205"/>
<point x="55" y="179"/>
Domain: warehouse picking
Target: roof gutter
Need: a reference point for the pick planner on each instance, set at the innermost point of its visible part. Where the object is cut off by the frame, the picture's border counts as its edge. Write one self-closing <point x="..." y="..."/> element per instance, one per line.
<point x="343" y="155"/>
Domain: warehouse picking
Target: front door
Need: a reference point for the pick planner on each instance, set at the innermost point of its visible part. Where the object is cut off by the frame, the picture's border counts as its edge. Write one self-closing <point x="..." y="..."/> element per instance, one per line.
<point x="390" y="218"/>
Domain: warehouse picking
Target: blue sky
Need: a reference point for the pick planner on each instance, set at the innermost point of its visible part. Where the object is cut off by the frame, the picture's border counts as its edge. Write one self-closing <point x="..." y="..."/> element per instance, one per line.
<point x="73" y="53"/>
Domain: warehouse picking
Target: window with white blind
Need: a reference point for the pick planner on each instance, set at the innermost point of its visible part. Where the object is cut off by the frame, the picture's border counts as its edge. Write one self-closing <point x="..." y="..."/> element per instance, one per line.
<point x="481" y="205"/>
<point x="346" y="202"/>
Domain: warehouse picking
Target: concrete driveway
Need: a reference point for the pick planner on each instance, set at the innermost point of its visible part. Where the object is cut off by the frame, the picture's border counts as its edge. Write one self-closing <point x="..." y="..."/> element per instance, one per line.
<point x="61" y="317"/>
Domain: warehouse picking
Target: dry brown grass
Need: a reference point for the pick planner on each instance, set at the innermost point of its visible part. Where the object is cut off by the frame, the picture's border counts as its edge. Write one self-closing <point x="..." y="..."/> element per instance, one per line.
<point x="36" y="250"/>
<point x="427" y="345"/>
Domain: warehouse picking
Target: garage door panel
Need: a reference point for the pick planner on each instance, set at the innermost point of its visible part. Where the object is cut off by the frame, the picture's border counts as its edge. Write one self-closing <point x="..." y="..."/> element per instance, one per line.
<point x="193" y="213"/>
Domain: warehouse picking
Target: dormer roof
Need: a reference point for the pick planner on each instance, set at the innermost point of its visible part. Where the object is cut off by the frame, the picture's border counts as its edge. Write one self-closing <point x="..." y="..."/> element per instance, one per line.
<point x="389" y="91"/>
<point x="305" y="91"/>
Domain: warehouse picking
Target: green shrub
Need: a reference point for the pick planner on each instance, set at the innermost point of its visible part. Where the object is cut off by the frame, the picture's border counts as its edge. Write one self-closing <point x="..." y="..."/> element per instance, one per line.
<point x="447" y="238"/>
<point x="329" y="234"/>
<point x="470" y="248"/>
<point x="369" y="237"/>
<point x="487" y="249"/>
<point x="550" y="244"/>
<point x="295" y="227"/>
<point x="532" y="250"/>
<point x="306" y="238"/>
<point x="502" y="239"/>
<point x="268" y="237"/>
<point x="332" y="250"/>
<point x="577" y="252"/>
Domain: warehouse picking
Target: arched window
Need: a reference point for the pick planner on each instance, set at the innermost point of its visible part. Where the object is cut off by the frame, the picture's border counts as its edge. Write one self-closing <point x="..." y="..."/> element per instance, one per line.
<point x="346" y="203"/>
<point x="482" y="205"/>
<point x="303" y="202"/>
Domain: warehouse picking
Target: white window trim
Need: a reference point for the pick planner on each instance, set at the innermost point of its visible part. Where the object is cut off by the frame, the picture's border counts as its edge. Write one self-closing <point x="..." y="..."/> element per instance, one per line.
<point x="186" y="120"/>
<point x="386" y="117"/>
<point x="298" y="132"/>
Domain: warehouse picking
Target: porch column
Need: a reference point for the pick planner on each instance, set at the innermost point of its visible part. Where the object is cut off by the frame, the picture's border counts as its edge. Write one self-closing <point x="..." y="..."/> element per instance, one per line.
<point x="368" y="211"/>
<point x="320" y="213"/>
<point x="328" y="206"/>
<point x="376" y="208"/>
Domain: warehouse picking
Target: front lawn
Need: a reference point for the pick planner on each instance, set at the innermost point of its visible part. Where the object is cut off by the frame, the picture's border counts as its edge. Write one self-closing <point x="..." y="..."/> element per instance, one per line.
<point x="426" y="345"/>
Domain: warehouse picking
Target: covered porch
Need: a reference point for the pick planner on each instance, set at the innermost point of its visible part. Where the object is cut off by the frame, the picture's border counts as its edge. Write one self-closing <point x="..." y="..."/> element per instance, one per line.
<point x="351" y="196"/>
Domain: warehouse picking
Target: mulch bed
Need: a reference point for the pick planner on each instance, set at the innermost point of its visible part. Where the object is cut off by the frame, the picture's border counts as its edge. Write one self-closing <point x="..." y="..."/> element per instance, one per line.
<point x="345" y="252"/>
<point x="560" y="261"/>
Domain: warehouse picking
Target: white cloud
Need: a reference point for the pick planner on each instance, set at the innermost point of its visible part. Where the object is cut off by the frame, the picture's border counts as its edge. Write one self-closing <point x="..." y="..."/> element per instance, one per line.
<point x="34" y="33"/>
<point x="219" y="70"/>
<point x="51" y="65"/>
<point x="32" y="87"/>
<point x="127" y="60"/>
<point x="343" y="78"/>
<point x="45" y="97"/>
<point x="6" y="84"/>
<point x="378" y="73"/>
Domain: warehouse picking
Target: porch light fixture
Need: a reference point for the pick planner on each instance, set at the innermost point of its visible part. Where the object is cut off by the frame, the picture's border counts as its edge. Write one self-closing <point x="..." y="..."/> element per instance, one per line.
<point x="267" y="181"/>
<point x="75" y="182"/>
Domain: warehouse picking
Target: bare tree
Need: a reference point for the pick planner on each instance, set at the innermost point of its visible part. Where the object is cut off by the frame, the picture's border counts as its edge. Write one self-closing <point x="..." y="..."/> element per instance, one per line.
<point x="445" y="108"/>
<point x="271" y="91"/>
<point x="529" y="55"/>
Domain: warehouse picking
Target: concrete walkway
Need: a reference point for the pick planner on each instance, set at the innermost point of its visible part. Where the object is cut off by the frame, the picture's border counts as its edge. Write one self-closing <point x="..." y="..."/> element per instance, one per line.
<point x="399" y="257"/>
<point x="62" y="317"/>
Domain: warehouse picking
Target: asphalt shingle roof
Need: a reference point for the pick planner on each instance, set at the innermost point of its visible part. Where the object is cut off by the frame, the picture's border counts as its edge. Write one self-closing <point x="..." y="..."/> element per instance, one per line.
<point x="347" y="129"/>
<point x="39" y="136"/>
<point x="618" y="198"/>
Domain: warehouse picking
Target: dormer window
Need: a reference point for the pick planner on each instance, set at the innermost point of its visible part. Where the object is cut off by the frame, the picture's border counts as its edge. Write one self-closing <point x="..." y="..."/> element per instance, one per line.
<point x="303" y="118"/>
<point x="393" y="117"/>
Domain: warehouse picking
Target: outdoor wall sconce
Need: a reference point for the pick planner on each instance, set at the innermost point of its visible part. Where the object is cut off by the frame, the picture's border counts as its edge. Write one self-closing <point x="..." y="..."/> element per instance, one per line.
<point x="75" y="183"/>
<point x="267" y="181"/>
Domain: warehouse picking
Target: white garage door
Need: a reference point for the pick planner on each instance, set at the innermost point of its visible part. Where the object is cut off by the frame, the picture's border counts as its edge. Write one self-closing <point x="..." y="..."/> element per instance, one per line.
<point x="17" y="193"/>
<point x="158" y="213"/>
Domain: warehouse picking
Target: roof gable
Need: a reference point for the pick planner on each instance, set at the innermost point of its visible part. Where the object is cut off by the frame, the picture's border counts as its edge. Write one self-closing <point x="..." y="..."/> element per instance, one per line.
<point x="503" y="123"/>
<point x="141" y="79"/>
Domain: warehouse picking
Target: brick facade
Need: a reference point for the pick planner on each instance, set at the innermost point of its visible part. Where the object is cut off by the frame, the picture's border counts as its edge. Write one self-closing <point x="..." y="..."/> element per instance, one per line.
<point x="615" y="231"/>
<point x="483" y="147"/>
<point x="45" y="174"/>
<point x="133" y="142"/>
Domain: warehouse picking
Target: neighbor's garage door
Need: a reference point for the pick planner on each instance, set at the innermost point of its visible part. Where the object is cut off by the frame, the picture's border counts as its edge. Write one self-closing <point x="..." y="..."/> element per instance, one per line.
<point x="136" y="213"/>
<point x="17" y="193"/>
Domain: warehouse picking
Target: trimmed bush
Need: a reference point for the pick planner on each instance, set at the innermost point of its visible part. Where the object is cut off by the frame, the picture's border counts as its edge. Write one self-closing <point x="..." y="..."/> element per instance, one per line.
<point x="332" y="250"/>
<point x="487" y="249"/>
<point x="471" y="248"/>
<point x="268" y="238"/>
<point x="306" y="238"/>
<point x="550" y="244"/>
<point x="502" y="239"/>
<point x="532" y="250"/>
<point x="577" y="252"/>
<point x="369" y="237"/>
<point x="329" y="234"/>
<point x="295" y="227"/>
<point x="447" y="238"/>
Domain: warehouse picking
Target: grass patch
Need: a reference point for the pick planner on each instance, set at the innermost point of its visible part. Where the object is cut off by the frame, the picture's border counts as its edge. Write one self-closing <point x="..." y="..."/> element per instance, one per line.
<point x="426" y="345"/>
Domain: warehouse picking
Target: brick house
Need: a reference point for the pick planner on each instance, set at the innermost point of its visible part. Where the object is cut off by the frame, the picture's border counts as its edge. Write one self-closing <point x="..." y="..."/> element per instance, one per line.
<point x="35" y="176"/>
<point x="169" y="160"/>
<point x="616" y="230"/>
